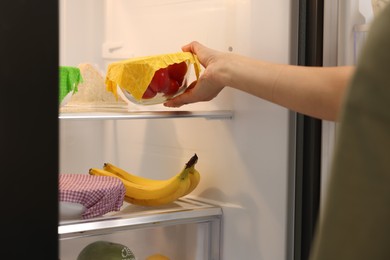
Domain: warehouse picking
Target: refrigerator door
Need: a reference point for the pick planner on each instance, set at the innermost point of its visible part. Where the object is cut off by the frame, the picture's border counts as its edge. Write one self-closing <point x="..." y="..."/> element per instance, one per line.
<point x="346" y="24"/>
<point x="28" y="131"/>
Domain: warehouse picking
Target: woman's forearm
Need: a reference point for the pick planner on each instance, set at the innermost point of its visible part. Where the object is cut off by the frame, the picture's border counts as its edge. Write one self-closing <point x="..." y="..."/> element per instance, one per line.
<point x="313" y="91"/>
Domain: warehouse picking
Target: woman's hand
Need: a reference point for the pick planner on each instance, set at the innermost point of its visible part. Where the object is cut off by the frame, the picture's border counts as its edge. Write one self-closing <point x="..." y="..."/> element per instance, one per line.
<point x="210" y="82"/>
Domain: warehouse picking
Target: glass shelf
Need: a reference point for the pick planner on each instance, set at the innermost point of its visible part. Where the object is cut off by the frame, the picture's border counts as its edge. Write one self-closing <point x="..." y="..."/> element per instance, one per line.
<point x="184" y="210"/>
<point x="185" y="229"/>
<point x="119" y="113"/>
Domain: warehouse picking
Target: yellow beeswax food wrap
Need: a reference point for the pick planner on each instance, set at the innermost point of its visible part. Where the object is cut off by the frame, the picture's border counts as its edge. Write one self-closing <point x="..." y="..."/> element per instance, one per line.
<point x="69" y="79"/>
<point x="134" y="75"/>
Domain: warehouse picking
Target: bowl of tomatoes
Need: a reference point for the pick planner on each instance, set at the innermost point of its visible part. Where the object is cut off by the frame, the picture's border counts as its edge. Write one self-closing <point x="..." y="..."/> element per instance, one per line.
<point x="166" y="83"/>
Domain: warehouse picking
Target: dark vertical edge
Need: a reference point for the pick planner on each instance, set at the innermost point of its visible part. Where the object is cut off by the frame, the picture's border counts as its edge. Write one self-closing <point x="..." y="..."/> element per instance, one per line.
<point x="308" y="134"/>
<point x="308" y="180"/>
<point x="291" y="188"/>
<point x="29" y="128"/>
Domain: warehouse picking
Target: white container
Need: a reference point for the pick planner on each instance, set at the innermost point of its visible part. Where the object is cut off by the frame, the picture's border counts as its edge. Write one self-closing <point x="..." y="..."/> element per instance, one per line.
<point x="360" y="35"/>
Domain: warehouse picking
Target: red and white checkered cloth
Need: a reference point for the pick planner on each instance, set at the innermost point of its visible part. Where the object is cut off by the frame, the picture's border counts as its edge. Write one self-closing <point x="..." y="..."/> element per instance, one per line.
<point x="98" y="194"/>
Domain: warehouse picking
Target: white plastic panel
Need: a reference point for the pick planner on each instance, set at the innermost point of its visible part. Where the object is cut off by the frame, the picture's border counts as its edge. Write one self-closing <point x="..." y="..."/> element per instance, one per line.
<point x="81" y="32"/>
<point x="141" y="28"/>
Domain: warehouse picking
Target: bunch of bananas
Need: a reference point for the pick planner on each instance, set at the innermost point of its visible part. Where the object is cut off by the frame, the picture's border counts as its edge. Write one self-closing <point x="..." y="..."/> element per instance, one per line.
<point x="150" y="192"/>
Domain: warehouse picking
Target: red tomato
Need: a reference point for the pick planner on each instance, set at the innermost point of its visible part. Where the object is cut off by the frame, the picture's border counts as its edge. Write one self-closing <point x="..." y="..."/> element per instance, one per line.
<point x="177" y="71"/>
<point x="149" y="93"/>
<point x="160" y="80"/>
<point x="172" y="88"/>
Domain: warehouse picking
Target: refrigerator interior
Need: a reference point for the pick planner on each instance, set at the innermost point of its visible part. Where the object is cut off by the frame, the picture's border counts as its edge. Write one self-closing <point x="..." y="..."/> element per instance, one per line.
<point x="246" y="163"/>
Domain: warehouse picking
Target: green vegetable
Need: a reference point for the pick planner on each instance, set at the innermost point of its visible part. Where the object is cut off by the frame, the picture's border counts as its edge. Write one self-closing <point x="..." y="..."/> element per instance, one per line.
<point x="105" y="250"/>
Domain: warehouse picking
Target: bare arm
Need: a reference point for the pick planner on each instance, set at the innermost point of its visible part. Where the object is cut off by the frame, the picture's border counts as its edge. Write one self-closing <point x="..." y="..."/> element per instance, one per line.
<point x="313" y="91"/>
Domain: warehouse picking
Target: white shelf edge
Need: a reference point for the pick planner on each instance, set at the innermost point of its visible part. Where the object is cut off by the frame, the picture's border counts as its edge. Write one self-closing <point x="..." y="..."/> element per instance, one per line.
<point x="191" y="210"/>
<point x="97" y="115"/>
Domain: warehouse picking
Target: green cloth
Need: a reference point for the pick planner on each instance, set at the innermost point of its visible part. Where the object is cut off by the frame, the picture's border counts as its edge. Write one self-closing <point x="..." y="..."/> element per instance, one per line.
<point x="69" y="78"/>
<point x="355" y="224"/>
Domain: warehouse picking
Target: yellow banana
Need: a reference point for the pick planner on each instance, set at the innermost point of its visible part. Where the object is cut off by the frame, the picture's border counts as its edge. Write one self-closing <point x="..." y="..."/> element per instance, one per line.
<point x="120" y="172"/>
<point x="101" y="172"/>
<point x="188" y="185"/>
<point x="129" y="176"/>
<point x="163" y="200"/>
<point x="143" y="191"/>
<point x="163" y="190"/>
<point x="195" y="179"/>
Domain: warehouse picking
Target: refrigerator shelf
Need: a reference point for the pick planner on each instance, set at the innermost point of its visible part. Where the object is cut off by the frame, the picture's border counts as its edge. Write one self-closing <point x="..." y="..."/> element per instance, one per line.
<point x="185" y="210"/>
<point x="114" y="113"/>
